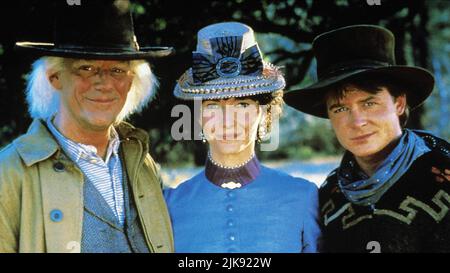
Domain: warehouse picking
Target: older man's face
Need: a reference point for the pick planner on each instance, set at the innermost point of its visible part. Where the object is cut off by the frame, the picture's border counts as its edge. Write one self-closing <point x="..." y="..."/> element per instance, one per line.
<point x="365" y="124"/>
<point x="93" y="92"/>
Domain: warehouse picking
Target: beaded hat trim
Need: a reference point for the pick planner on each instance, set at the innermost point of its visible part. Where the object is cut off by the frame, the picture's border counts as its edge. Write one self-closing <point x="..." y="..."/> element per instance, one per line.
<point x="270" y="81"/>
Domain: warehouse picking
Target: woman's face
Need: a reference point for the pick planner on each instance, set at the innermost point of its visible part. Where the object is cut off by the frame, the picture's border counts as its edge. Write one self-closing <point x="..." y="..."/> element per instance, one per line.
<point x="230" y="125"/>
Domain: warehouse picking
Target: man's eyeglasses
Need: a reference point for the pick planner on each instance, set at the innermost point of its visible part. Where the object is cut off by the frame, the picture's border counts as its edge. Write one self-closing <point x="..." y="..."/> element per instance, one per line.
<point x="88" y="71"/>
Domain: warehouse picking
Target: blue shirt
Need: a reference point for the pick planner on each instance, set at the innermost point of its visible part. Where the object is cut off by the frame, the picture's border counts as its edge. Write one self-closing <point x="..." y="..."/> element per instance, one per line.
<point x="106" y="175"/>
<point x="274" y="213"/>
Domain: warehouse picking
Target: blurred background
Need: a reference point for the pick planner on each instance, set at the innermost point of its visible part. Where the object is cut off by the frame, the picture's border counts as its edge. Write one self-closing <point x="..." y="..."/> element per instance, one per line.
<point x="285" y="30"/>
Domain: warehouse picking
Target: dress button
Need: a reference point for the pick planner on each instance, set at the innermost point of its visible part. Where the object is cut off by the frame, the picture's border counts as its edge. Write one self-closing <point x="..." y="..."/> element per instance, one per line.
<point x="58" y="166"/>
<point x="230" y="223"/>
<point x="232" y="237"/>
<point x="230" y="208"/>
<point x="231" y="194"/>
<point x="56" y="215"/>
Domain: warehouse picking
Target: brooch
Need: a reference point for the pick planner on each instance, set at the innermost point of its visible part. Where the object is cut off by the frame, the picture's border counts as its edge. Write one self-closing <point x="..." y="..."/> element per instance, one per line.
<point x="231" y="185"/>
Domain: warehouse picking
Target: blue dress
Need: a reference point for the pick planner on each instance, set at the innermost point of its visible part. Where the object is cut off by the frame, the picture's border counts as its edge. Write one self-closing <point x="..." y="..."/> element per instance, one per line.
<point x="274" y="213"/>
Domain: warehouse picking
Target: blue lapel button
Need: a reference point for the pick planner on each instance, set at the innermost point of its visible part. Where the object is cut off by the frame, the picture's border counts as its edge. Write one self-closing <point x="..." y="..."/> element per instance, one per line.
<point x="56" y="215"/>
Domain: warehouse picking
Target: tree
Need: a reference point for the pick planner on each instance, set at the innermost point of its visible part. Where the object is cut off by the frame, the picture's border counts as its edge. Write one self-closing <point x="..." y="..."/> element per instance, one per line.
<point x="170" y="22"/>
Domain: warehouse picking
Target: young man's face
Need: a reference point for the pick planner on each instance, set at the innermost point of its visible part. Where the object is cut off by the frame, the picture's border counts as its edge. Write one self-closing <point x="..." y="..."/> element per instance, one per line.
<point x="365" y="123"/>
<point x="93" y="92"/>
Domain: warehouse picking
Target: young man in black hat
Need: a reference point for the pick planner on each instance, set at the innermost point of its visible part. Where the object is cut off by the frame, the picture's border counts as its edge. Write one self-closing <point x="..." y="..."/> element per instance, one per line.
<point x="384" y="196"/>
<point x="81" y="179"/>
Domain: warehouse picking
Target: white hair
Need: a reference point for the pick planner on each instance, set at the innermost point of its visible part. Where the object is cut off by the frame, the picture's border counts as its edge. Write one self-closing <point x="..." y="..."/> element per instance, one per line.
<point x="43" y="99"/>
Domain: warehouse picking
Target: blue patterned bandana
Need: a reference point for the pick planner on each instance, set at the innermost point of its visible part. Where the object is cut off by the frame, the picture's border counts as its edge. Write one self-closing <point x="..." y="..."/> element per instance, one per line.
<point x="360" y="189"/>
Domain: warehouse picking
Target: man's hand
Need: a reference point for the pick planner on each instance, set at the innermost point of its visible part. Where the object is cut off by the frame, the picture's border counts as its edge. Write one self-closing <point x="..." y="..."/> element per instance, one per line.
<point x="441" y="176"/>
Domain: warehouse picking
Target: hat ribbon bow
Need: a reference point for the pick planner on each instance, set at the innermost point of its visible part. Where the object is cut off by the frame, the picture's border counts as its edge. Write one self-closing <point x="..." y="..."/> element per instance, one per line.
<point x="227" y="60"/>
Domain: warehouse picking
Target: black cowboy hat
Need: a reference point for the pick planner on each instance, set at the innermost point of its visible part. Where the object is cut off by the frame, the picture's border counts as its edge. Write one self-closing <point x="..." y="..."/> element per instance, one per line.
<point x="100" y="29"/>
<point x="354" y="52"/>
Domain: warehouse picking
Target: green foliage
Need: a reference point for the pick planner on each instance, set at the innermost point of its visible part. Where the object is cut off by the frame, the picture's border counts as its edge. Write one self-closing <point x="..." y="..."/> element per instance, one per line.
<point x="285" y="30"/>
<point x="137" y="9"/>
<point x="436" y="118"/>
<point x="6" y="132"/>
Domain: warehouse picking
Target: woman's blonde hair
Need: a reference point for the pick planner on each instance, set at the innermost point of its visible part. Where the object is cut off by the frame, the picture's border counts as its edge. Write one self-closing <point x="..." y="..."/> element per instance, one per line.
<point x="43" y="99"/>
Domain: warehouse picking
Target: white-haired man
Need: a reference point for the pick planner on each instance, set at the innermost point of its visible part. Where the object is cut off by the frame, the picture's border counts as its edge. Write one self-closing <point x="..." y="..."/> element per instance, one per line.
<point x="81" y="179"/>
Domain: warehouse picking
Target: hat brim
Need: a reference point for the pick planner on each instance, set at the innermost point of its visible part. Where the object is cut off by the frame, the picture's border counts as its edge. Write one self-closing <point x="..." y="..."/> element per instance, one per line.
<point x="234" y="87"/>
<point x="418" y="83"/>
<point x="48" y="49"/>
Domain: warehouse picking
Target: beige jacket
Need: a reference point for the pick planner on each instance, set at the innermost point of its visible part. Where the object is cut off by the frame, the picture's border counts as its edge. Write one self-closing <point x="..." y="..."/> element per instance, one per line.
<point x="32" y="185"/>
